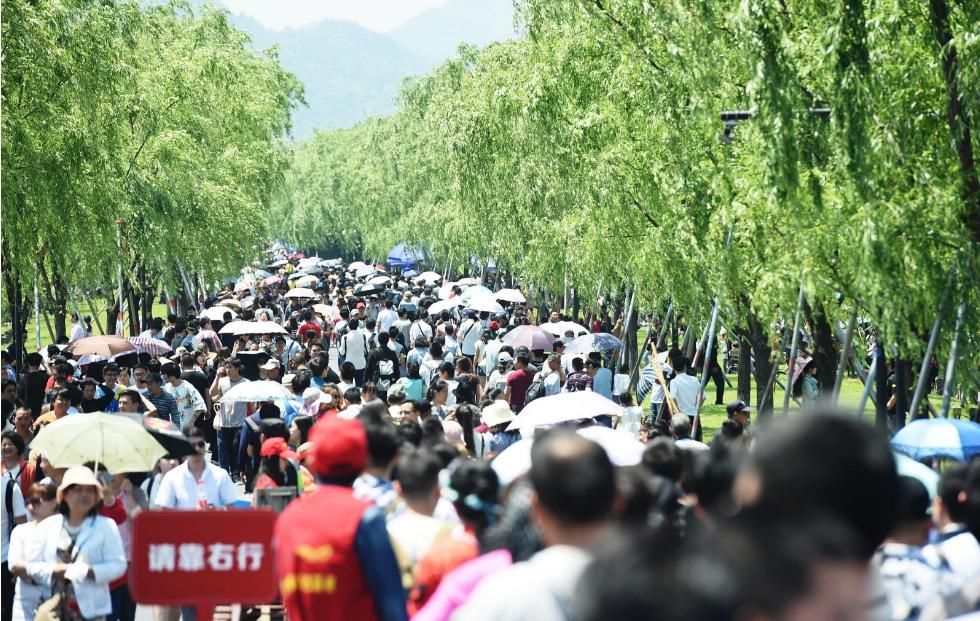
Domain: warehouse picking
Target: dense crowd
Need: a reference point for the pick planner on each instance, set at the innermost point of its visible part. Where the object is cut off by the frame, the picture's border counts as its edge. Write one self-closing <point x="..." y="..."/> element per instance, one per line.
<point x="435" y="454"/>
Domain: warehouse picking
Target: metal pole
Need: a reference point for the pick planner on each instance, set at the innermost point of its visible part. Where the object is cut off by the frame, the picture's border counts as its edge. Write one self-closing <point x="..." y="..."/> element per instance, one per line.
<point x="37" y="314"/>
<point x="920" y="384"/>
<point x="869" y="382"/>
<point x="844" y="355"/>
<point x="793" y="350"/>
<point x="120" y="330"/>
<point x="951" y="363"/>
<point x="663" y="328"/>
<point x="707" y="362"/>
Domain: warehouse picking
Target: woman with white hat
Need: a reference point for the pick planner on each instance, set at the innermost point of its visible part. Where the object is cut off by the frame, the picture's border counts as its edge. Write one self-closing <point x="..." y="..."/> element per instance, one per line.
<point x="80" y="551"/>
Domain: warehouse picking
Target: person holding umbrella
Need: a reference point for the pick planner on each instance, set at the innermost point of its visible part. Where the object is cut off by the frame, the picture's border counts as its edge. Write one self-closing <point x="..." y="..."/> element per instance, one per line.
<point x="81" y="552"/>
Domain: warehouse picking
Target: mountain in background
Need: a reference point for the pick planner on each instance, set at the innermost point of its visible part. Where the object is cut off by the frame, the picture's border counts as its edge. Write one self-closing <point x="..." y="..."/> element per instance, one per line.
<point x="435" y="34"/>
<point x="350" y="73"/>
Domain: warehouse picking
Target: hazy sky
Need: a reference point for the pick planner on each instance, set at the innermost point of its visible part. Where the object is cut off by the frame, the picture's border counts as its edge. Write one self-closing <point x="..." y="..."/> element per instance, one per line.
<point x="378" y="15"/>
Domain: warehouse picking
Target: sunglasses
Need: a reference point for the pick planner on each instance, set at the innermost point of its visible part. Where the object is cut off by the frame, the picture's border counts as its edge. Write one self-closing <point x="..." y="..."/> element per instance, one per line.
<point x="35" y="500"/>
<point x="199" y="444"/>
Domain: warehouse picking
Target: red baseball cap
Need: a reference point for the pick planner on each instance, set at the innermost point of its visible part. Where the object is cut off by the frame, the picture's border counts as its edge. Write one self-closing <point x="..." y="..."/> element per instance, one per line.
<point x="273" y="446"/>
<point x="339" y="447"/>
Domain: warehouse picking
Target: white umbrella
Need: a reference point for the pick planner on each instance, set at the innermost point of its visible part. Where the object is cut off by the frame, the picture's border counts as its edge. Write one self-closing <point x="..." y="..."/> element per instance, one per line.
<point x="621" y="447"/>
<point x="468" y="282"/>
<point x="217" y="313"/>
<point x="379" y="280"/>
<point x="367" y="270"/>
<point x="477" y="292"/>
<point x="356" y="265"/>
<point x="116" y="441"/>
<point x="565" y="406"/>
<point x="301" y="292"/>
<point x="510" y="295"/>
<point x="484" y="304"/>
<point x="252" y="392"/>
<point x="307" y="281"/>
<point x="326" y="311"/>
<point x="252" y="327"/>
<point x="244" y="284"/>
<point x="278" y="263"/>
<point x="445" y="291"/>
<point x="559" y="328"/>
<point x="441" y="305"/>
<point x="429" y="277"/>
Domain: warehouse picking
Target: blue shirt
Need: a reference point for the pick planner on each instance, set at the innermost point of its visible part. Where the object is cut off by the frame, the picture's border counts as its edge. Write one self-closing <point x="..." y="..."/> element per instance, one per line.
<point x="602" y="382"/>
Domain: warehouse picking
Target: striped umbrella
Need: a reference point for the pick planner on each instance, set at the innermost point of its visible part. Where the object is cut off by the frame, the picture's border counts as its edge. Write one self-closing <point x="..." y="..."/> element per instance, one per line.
<point x="150" y="345"/>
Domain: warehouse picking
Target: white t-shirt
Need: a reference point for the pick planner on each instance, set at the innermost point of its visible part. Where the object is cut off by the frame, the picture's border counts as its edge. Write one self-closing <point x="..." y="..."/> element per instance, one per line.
<point x="415" y="533"/>
<point x="684" y="389"/>
<point x="179" y="489"/>
<point x="19" y="509"/>
<point x="419" y="328"/>
<point x="621" y="383"/>
<point x="386" y="319"/>
<point x="688" y="443"/>
<point x="497" y="380"/>
<point x="469" y="333"/>
<point x="354" y="346"/>
<point x="188" y="400"/>
<point x="552" y="381"/>
<point x="232" y="414"/>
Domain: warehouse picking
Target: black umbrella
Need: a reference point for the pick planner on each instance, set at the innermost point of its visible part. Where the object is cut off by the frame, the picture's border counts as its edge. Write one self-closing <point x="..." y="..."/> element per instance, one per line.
<point x="166" y="434"/>
<point x="368" y="289"/>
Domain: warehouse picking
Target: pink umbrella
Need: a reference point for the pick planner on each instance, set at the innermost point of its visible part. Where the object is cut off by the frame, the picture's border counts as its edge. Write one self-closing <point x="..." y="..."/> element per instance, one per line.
<point x="272" y="281"/>
<point x="801" y="361"/>
<point x="210" y="336"/>
<point x="150" y="345"/>
<point x="531" y="337"/>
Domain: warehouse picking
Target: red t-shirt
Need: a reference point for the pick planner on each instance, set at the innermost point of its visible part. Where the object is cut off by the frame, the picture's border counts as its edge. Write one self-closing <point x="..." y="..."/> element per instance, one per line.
<point x="519" y="381"/>
<point x="306" y="327"/>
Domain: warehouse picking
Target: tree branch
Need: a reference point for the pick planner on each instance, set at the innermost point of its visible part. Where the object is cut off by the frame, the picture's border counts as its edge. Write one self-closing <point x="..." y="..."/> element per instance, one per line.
<point x="629" y="34"/>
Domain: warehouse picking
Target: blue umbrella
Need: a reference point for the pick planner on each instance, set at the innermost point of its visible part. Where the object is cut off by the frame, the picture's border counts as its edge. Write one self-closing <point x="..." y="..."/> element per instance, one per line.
<point x="908" y="467"/>
<point x="597" y="341"/>
<point x="938" y="437"/>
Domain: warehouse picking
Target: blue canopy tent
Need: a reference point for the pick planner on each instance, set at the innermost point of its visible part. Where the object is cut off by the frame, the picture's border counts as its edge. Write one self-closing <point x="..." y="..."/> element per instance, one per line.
<point x="404" y="258"/>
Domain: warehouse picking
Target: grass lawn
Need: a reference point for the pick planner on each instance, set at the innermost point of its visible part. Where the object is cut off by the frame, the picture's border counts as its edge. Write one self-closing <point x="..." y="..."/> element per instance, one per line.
<point x="712" y="416"/>
<point x="159" y="310"/>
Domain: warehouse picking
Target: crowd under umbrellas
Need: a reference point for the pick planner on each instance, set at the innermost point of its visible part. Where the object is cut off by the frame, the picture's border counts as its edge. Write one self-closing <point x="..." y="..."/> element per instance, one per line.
<point x="463" y="460"/>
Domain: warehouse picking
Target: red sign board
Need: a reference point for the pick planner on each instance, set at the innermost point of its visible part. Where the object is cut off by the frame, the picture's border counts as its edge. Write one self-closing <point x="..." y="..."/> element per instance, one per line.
<point x="221" y="557"/>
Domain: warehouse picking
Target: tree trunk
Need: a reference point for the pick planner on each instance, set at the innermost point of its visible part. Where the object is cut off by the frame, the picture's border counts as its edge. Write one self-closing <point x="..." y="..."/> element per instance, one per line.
<point x="744" y="388"/>
<point x="762" y="350"/>
<point x="901" y="394"/>
<point x="881" y="389"/>
<point x="957" y="117"/>
<point x="112" y="314"/>
<point x="824" y="351"/>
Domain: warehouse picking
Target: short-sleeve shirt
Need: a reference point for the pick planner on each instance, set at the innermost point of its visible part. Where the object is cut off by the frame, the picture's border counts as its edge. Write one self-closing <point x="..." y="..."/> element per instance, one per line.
<point x="232" y="414"/>
<point x="17" y="508"/>
<point x="179" y="489"/>
<point x="519" y="381"/>
<point x="578" y="381"/>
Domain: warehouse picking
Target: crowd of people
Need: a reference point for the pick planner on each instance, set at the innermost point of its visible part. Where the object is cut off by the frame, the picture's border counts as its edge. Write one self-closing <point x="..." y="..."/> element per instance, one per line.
<point x="404" y="392"/>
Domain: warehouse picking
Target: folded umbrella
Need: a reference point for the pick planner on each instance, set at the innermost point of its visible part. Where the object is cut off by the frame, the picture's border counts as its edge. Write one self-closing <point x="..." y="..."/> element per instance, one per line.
<point x="598" y="341"/>
<point x="938" y="437"/>
<point x="116" y="441"/>
<point x="531" y="337"/>
<point x="108" y="345"/>
<point x="564" y="407"/>
<point x="150" y="345"/>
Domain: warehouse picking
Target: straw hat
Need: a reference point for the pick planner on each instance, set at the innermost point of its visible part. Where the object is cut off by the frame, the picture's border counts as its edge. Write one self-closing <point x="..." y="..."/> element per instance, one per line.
<point x="497" y="413"/>
<point x="78" y="475"/>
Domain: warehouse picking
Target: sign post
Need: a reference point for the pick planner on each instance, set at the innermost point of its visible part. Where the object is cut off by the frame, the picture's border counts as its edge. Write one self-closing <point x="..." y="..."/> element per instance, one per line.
<point x="203" y="558"/>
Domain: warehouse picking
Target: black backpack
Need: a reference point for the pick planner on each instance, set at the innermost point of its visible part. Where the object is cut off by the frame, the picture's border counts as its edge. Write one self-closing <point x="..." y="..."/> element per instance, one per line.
<point x="536" y="389"/>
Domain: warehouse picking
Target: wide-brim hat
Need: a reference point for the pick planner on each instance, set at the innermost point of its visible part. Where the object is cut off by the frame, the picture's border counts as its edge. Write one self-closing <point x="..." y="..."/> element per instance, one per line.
<point x="78" y="475"/>
<point x="497" y="413"/>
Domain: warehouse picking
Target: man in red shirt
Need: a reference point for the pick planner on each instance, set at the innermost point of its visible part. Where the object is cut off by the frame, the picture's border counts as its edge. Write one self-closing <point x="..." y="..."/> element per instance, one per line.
<point x="335" y="560"/>
<point x="308" y="325"/>
<point x="518" y="381"/>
